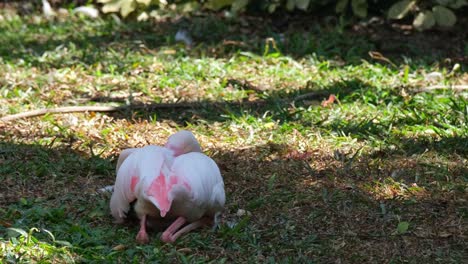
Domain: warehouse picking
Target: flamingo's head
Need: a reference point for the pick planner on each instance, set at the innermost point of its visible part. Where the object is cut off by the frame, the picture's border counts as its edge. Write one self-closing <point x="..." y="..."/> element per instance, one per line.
<point x="161" y="192"/>
<point x="183" y="142"/>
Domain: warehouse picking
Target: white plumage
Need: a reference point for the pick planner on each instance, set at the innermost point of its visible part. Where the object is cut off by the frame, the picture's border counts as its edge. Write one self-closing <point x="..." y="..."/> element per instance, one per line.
<point x="183" y="142"/>
<point x="170" y="181"/>
<point x="135" y="172"/>
<point x="195" y="194"/>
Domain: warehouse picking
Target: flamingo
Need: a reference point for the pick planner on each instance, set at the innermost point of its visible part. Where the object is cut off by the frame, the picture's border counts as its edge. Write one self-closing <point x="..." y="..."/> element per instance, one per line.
<point x="192" y="190"/>
<point x="136" y="170"/>
<point x="181" y="142"/>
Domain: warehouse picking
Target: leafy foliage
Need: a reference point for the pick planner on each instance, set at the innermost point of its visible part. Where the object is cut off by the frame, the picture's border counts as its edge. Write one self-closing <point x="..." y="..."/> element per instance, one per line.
<point x="427" y="15"/>
<point x="125" y="7"/>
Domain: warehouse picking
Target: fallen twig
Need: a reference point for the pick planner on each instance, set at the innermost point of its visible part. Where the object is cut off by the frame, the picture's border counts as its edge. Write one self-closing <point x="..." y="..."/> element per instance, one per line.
<point x="382" y="236"/>
<point x="67" y="109"/>
<point x="457" y="88"/>
<point x="82" y="109"/>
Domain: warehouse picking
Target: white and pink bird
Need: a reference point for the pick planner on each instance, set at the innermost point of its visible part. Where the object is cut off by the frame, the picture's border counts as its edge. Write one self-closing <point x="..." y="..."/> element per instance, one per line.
<point x="175" y="181"/>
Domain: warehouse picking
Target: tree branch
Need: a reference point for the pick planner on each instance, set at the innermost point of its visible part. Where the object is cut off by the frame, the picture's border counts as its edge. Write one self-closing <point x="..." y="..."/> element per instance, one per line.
<point x="456" y="88"/>
<point x="81" y="109"/>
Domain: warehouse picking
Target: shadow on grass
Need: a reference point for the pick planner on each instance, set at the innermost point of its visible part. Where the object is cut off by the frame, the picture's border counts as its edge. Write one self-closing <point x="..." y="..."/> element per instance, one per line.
<point x="81" y="42"/>
<point x="302" y="108"/>
<point x="299" y="206"/>
<point x="276" y="102"/>
<point x="36" y="171"/>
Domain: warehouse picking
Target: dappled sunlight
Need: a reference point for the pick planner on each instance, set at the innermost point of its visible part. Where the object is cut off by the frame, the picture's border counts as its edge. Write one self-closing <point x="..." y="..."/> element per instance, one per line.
<point x="326" y="152"/>
<point x="218" y="37"/>
<point x="23" y="246"/>
<point x="281" y="193"/>
<point x="391" y="189"/>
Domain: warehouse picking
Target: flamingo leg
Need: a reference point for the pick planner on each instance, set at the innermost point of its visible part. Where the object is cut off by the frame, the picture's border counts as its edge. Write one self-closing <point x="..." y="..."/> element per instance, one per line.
<point x="142" y="236"/>
<point x="170" y="237"/>
<point x="167" y="235"/>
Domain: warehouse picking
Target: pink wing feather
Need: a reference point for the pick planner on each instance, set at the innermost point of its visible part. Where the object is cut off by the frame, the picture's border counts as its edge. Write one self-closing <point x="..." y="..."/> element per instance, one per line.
<point x="205" y="185"/>
<point x="141" y="165"/>
<point x="137" y="165"/>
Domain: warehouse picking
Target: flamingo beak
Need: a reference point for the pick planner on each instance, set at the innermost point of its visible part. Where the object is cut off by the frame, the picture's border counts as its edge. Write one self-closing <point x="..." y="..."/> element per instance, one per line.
<point x="163" y="213"/>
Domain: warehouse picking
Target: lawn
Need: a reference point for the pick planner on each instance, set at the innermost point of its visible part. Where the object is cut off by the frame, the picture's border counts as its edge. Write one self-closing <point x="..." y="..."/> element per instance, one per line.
<point x="377" y="176"/>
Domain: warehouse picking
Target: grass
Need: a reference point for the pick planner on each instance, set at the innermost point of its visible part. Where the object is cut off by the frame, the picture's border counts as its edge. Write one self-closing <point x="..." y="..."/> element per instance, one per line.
<point x="378" y="176"/>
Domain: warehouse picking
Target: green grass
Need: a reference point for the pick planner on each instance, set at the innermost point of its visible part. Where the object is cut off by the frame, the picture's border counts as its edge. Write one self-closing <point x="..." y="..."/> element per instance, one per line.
<point x="378" y="176"/>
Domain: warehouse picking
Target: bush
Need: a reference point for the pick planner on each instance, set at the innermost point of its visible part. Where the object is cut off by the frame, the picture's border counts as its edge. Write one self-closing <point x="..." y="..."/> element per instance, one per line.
<point x="426" y="13"/>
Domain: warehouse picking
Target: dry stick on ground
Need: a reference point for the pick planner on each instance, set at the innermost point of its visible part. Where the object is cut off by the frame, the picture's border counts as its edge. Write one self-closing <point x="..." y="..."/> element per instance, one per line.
<point x="456" y="88"/>
<point x="77" y="109"/>
<point x="81" y="109"/>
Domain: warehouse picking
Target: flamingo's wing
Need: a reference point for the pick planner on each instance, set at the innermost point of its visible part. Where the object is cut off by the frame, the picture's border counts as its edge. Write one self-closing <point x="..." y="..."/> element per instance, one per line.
<point x="123" y="156"/>
<point x="202" y="177"/>
<point x="218" y="197"/>
<point x="124" y="188"/>
<point x="142" y="165"/>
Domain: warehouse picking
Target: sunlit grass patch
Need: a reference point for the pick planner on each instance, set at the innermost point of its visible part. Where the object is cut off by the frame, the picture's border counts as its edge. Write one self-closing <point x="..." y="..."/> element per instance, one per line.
<point x="381" y="168"/>
<point x="24" y="247"/>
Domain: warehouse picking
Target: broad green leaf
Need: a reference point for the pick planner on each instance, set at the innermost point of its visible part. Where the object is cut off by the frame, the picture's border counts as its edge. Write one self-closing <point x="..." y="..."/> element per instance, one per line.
<point x="341" y="6"/>
<point x="458" y="4"/>
<point x="218" y="4"/>
<point x="443" y="2"/>
<point x="400" y="9"/>
<point x="14" y="232"/>
<point x="188" y="7"/>
<point x="111" y="7"/>
<point x="290" y="5"/>
<point x="271" y="8"/>
<point x="143" y="16"/>
<point x="302" y="4"/>
<point x="359" y="7"/>
<point x="145" y="2"/>
<point x="271" y="182"/>
<point x="402" y="227"/>
<point x="63" y="243"/>
<point x="444" y="17"/>
<point x="239" y="5"/>
<point x="127" y="7"/>
<point x="424" y="20"/>
<point x="23" y="201"/>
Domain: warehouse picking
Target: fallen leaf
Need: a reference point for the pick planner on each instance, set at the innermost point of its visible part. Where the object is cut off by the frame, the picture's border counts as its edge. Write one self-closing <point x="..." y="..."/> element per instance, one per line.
<point x="119" y="247"/>
<point x="331" y="99"/>
<point x="240" y="212"/>
<point x="444" y="234"/>
<point x="5" y="224"/>
<point x="169" y="52"/>
<point x="185" y="250"/>
<point x="402" y="227"/>
<point x="433" y="76"/>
